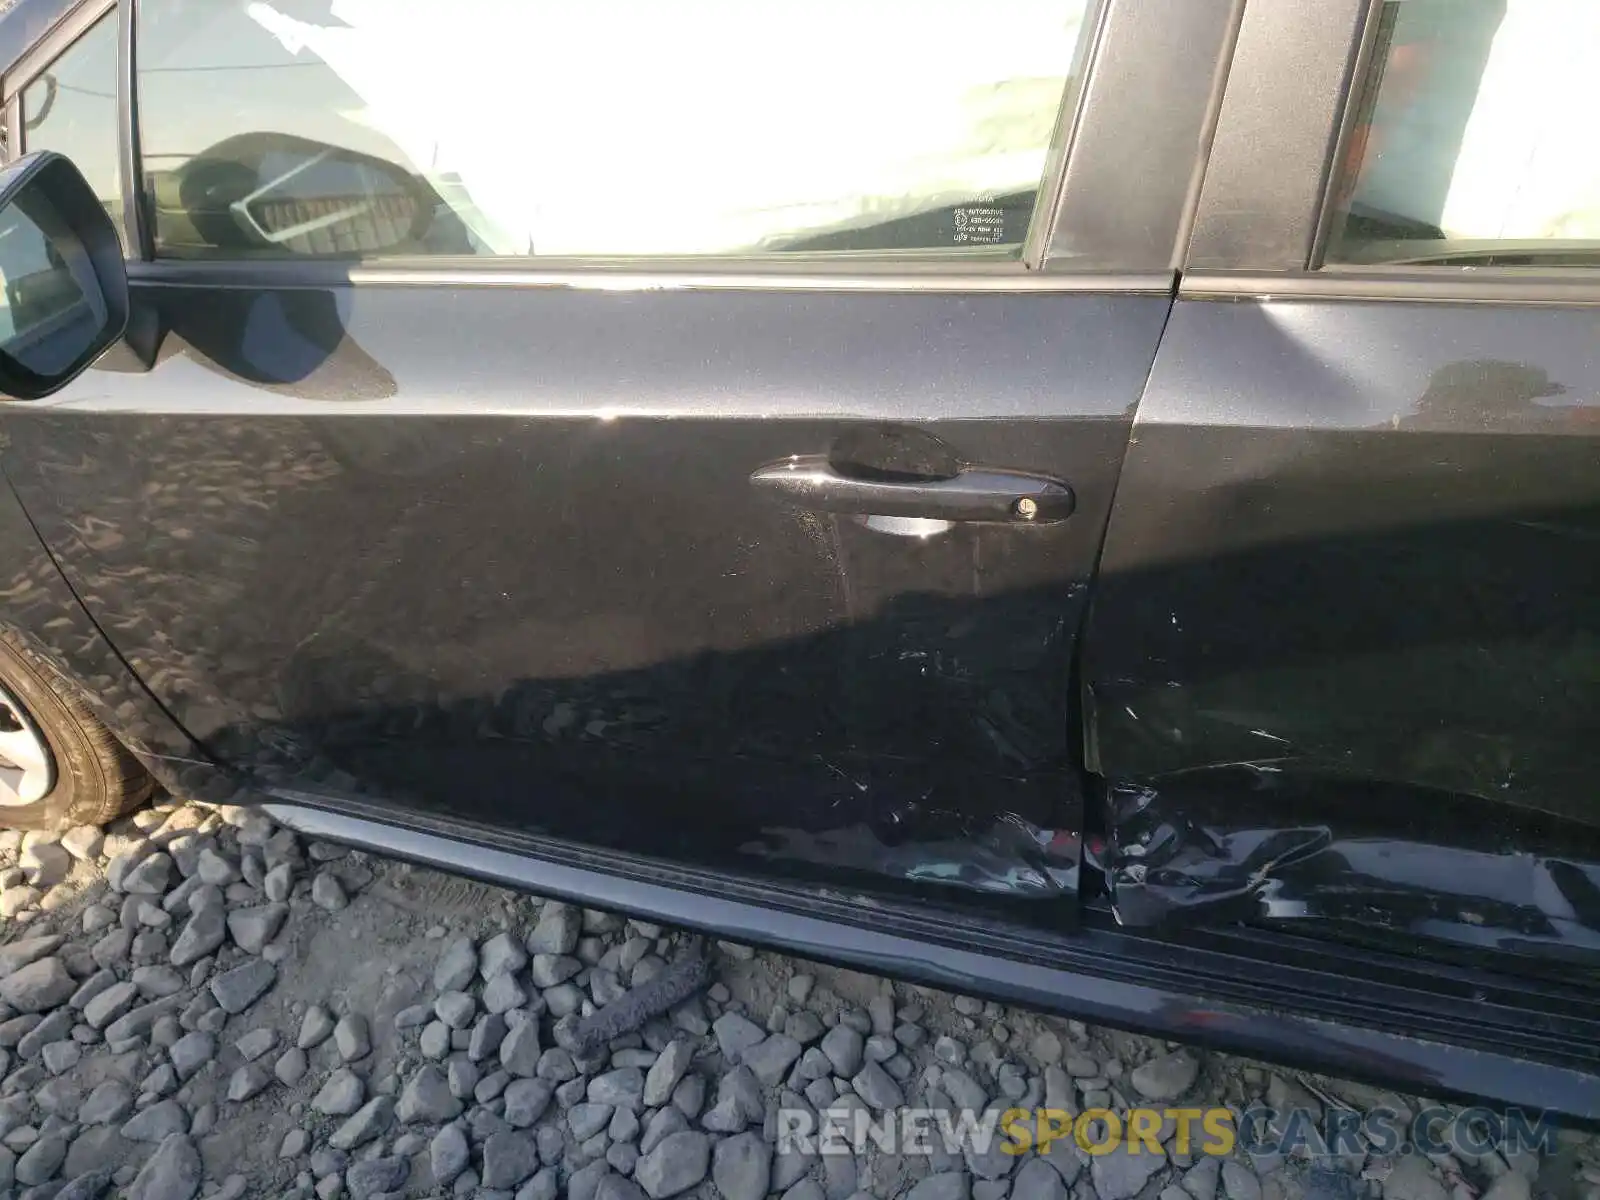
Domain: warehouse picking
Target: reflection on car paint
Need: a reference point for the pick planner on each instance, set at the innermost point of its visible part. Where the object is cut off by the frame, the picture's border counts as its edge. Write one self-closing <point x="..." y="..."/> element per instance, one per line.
<point x="1001" y="854"/>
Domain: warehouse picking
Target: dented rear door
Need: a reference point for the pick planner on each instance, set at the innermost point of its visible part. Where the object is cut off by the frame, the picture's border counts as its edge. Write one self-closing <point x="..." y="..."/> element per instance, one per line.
<point x="1343" y="669"/>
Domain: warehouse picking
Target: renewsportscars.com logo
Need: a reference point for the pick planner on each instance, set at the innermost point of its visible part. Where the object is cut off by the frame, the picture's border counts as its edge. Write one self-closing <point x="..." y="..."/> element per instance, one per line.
<point x="1302" y="1132"/>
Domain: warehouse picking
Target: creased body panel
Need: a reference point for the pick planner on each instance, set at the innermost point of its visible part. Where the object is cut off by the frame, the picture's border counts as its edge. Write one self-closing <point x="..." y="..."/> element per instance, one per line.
<point x="1349" y="587"/>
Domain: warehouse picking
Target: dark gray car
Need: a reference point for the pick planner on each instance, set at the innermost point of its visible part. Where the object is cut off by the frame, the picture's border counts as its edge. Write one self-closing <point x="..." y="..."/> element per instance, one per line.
<point x="1096" y="501"/>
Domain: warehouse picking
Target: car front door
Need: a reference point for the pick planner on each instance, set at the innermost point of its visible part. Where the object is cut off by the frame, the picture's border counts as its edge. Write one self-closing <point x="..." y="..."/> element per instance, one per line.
<point x="713" y="471"/>
<point x="1344" y="663"/>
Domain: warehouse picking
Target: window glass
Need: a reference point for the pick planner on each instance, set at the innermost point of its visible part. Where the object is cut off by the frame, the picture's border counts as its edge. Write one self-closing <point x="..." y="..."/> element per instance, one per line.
<point x="1474" y="141"/>
<point x="71" y="108"/>
<point x="610" y="127"/>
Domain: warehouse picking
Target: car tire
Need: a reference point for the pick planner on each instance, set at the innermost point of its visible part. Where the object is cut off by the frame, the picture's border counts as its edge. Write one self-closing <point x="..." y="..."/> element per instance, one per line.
<point x="88" y="778"/>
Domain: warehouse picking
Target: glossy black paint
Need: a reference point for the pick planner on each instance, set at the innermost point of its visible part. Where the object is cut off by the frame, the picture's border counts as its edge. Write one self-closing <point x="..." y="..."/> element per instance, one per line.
<point x="494" y="551"/>
<point x="1345" y="653"/>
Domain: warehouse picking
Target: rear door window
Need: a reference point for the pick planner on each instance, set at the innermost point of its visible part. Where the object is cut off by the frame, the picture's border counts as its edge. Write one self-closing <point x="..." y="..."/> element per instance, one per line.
<point x="1474" y="137"/>
<point x="614" y="128"/>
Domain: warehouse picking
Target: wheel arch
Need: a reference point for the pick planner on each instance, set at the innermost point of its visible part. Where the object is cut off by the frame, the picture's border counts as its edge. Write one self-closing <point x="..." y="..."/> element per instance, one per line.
<point x="42" y="613"/>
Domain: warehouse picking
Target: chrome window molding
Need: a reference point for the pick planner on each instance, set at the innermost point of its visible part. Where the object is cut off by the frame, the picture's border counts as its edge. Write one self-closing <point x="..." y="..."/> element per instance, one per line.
<point x="641" y="276"/>
<point x="136" y="228"/>
<point x="1567" y="287"/>
<point x="13" y="148"/>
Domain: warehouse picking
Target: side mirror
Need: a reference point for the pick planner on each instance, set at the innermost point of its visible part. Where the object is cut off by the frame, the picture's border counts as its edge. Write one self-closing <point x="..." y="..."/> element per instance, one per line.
<point x="65" y="286"/>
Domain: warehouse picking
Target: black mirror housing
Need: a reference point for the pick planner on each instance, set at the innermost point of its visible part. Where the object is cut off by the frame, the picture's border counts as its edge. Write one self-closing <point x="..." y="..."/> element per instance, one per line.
<point x="62" y="277"/>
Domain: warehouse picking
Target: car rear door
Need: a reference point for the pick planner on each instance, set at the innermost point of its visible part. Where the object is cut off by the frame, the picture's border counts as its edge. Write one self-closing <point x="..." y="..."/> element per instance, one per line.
<point x="1342" y="668"/>
<point x="766" y="558"/>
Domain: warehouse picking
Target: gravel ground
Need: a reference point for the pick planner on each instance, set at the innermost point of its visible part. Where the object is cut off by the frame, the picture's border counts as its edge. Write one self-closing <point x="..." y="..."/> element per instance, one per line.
<point x="197" y="1003"/>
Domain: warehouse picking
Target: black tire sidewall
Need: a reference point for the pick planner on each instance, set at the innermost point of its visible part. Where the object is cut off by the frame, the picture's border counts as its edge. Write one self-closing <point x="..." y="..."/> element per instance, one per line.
<point x="81" y="785"/>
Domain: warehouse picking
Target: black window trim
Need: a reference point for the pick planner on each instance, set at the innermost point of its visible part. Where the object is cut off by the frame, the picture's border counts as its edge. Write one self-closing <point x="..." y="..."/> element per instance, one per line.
<point x="1349" y="111"/>
<point x="1266" y="177"/>
<point x="1266" y="207"/>
<point x="1111" y="215"/>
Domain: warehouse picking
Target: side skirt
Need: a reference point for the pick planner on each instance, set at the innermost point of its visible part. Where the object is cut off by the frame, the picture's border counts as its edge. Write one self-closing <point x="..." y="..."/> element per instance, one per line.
<point x="1350" y="1013"/>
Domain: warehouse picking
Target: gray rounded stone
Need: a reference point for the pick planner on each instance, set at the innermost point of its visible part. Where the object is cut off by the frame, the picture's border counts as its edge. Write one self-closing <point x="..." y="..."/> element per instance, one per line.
<point x="456" y="967"/>
<point x="316" y="1027"/>
<point x="200" y="936"/>
<point x="427" y="1097"/>
<point x="291" y="1066"/>
<point x="247" y="1082"/>
<point x="376" y="1176"/>
<point x="435" y="1040"/>
<point x="340" y="1095"/>
<point x="678" y="1163"/>
<point x="173" y="1172"/>
<point x="1167" y="1077"/>
<point x="352" y="1038"/>
<point x="368" y="1122"/>
<point x="519" y="1052"/>
<point x="38" y="986"/>
<point x="327" y="892"/>
<point x="843" y="1047"/>
<point x="449" y="1152"/>
<point x="108" y="1104"/>
<point x="191" y="1052"/>
<point x="455" y="1009"/>
<point x="40" y="1161"/>
<point x="238" y="989"/>
<point x="508" y="1159"/>
<point x="252" y="928"/>
<point x="157" y="1123"/>
<point x="741" y="1167"/>
<point x="526" y="1100"/>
